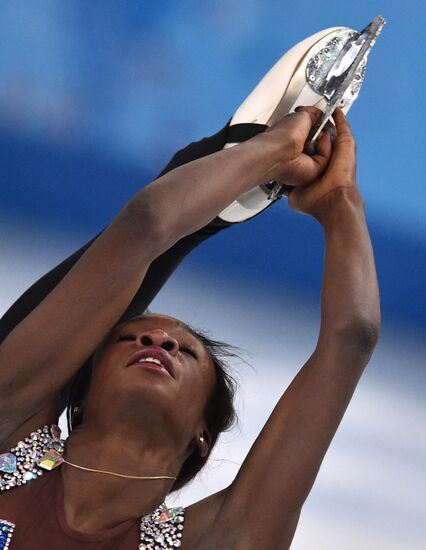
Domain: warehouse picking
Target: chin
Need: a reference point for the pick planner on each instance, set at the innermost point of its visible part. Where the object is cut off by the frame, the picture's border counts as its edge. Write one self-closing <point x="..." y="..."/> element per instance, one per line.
<point x="146" y="395"/>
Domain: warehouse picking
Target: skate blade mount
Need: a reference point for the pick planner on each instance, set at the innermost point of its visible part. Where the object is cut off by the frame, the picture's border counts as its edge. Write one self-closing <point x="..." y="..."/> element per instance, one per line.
<point x="346" y="73"/>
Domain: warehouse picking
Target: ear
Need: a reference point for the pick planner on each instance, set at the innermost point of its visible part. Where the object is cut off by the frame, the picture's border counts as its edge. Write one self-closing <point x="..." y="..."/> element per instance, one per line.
<point x="202" y="441"/>
<point x="77" y="410"/>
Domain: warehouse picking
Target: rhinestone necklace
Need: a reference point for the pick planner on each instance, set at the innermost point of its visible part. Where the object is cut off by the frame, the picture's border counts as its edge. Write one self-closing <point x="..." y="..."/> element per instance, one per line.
<point x="42" y="450"/>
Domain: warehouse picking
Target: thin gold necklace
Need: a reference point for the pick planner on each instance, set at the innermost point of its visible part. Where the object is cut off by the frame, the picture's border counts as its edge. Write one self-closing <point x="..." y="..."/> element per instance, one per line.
<point x="114" y="473"/>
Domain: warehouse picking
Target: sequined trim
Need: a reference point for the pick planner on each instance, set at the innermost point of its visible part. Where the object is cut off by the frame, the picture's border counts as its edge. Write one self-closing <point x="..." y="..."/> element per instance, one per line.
<point x="25" y="461"/>
<point x="6" y="533"/>
<point x="163" y="529"/>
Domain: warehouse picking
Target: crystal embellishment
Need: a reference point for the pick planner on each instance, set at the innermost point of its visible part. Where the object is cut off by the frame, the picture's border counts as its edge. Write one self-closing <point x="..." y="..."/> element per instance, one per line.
<point x="163" y="529"/>
<point x="50" y="460"/>
<point x="8" y="463"/>
<point x="55" y="432"/>
<point x="6" y="532"/>
<point x="21" y="464"/>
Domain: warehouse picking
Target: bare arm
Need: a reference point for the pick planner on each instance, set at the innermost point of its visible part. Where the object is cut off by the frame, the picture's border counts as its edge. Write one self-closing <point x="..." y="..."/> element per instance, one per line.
<point x="48" y="347"/>
<point x="281" y="467"/>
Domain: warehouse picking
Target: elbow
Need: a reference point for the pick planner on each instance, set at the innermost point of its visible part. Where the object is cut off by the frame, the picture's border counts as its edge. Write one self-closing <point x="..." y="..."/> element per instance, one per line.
<point x="359" y="336"/>
<point x="144" y="217"/>
<point x="365" y="334"/>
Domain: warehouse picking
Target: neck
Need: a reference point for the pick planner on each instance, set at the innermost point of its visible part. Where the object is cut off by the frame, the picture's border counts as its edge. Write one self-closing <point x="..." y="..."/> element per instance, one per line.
<point x="95" y="501"/>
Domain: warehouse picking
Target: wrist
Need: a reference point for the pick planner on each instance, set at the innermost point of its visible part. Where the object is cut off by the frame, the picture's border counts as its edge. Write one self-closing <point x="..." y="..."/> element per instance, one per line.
<point x="337" y="204"/>
<point x="275" y="153"/>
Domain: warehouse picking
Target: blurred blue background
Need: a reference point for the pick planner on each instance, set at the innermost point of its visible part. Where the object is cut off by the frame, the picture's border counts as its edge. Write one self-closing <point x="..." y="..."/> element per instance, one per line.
<point x="95" y="97"/>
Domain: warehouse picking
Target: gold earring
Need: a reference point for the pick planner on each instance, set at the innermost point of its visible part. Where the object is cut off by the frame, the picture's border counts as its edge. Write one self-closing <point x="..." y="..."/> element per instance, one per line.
<point x="77" y="409"/>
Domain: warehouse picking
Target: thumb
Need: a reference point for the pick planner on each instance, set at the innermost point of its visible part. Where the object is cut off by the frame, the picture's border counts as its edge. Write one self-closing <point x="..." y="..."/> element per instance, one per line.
<point x="312" y="166"/>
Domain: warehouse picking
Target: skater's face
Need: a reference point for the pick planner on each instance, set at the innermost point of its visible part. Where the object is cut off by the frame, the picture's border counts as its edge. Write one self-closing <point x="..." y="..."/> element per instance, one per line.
<point x="151" y="370"/>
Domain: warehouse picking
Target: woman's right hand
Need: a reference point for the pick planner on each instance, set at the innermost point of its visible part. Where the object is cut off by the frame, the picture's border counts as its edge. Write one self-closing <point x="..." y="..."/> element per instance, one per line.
<point x="293" y="166"/>
<point x="340" y="172"/>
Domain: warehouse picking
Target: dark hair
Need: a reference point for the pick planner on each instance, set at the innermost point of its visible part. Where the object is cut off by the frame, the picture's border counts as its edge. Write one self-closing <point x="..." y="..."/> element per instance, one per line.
<point x="219" y="413"/>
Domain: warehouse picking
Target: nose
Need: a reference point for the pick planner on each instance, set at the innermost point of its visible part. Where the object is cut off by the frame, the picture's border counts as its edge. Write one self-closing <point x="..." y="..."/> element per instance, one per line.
<point x="159" y="337"/>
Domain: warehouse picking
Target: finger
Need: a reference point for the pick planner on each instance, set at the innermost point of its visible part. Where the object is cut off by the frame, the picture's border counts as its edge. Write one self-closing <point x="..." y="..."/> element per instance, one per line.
<point x="313" y="112"/>
<point x="344" y="143"/>
<point x="309" y="168"/>
<point x="343" y="156"/>
<point x="309" y="109"/>
<point x="321" y="160"/>
<point x="329" y="127"/>
<point x="302" y="121"/>
<point x="342" y="125"/>
<point x="320" y="152"/>
<point x="325" y="144"/>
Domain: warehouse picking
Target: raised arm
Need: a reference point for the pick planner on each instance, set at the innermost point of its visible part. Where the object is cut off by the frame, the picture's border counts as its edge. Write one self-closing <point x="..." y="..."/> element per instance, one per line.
<point x="280" y="469"/>
<point x="48" y="347"/>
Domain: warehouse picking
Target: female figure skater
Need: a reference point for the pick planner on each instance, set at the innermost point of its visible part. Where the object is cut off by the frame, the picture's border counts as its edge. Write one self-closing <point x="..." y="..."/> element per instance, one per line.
<point x="146" y="417"/>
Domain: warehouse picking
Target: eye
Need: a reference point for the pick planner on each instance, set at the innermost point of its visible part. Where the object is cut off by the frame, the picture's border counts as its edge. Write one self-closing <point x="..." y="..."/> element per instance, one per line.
<point x="125" y="337"/>
<point x="190" y="351"/>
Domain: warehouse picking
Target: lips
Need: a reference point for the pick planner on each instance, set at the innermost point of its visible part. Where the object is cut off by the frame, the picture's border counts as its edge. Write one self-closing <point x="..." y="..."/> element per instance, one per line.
<point x="156" y="353"/>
